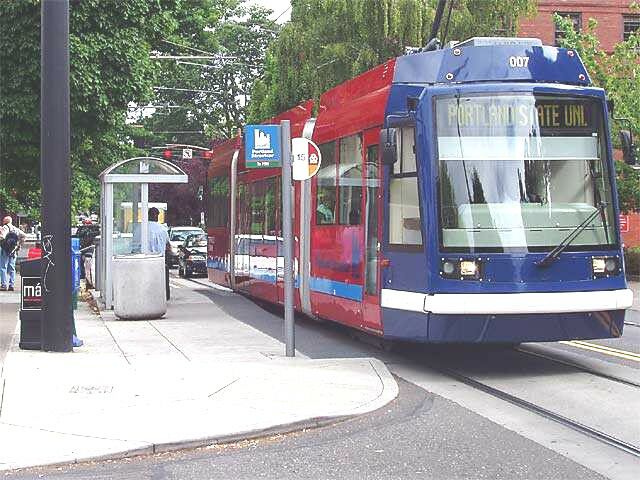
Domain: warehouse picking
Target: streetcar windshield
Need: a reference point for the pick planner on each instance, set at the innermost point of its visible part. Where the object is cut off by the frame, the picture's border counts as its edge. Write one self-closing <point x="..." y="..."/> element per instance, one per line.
<point x="519" y="172"/>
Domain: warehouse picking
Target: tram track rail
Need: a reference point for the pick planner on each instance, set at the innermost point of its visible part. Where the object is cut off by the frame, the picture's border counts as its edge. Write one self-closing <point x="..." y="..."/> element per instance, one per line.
<point x="581" y="368"/>
<point x="541" y="411"/>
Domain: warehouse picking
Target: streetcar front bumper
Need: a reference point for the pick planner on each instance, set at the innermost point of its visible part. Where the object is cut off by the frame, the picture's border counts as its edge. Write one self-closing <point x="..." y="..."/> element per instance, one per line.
<point x="504" y="317"/>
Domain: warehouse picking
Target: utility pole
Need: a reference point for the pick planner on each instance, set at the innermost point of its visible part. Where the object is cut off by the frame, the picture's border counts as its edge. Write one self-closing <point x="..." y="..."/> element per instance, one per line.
<point x="57" y="313"/>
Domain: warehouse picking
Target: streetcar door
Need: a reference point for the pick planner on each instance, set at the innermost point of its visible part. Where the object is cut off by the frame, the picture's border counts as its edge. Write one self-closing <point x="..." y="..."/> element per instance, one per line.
<point x="372" y="201"/>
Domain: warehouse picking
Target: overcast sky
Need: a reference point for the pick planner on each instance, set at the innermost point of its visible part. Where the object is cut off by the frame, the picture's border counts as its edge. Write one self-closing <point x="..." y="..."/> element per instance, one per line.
<point x="278" y="6"/>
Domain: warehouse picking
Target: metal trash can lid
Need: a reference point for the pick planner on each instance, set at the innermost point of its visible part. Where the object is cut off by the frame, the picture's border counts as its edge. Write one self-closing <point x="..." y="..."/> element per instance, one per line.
<point x="138" y="256"/>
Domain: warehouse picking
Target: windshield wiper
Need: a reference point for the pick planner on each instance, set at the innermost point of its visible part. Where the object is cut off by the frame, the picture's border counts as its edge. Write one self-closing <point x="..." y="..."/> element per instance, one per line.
<point x="555" y="253"/>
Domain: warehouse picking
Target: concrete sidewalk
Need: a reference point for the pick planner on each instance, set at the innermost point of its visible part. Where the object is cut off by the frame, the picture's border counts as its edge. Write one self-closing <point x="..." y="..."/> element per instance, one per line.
<point x="635" y="286"/>
<point x="198" y="376"/>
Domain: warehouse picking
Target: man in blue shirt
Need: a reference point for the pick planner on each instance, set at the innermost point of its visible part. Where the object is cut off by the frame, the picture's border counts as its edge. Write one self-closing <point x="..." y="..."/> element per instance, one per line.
<point x="158" y="238"/>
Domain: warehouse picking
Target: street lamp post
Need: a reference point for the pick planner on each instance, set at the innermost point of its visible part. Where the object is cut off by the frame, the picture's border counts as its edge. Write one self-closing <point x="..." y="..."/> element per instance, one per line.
<point x="57" y="313"/>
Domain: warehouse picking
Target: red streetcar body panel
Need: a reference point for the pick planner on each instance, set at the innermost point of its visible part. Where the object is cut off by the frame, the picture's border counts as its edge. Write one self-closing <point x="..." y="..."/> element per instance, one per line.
<point x="337" y="251"/>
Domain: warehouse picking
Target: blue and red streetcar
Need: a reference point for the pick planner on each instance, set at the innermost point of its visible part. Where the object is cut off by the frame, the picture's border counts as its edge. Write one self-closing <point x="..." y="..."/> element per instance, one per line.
<point x="465" y="195"/>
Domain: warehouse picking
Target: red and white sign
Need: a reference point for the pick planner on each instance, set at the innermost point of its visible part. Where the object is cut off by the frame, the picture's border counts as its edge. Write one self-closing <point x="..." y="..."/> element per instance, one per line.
<point x="306" y="158"/>
<point x="624" y="223"/>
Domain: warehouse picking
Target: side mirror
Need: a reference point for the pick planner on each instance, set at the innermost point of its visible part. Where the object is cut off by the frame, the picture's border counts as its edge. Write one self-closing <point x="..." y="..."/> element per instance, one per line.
<point x="610" y="106"/>
<point x="628" y="147"/>
<point x="389" y="144"/>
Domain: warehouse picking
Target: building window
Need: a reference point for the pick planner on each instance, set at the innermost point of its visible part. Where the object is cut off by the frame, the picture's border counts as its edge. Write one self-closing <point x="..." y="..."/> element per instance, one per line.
<point x="404" y="205"/>
<point x="631" y="25"/>
<point x="350" y="180"/>
<point x="327" y="182"/>
<point x="576" y="19"/>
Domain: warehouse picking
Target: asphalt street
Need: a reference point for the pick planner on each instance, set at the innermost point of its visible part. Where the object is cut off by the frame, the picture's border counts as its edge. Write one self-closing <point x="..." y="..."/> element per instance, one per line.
<point x="435" y="429"/>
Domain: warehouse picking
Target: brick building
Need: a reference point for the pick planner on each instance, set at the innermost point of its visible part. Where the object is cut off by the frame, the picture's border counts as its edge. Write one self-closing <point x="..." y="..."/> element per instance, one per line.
<point x="615" y="19"/>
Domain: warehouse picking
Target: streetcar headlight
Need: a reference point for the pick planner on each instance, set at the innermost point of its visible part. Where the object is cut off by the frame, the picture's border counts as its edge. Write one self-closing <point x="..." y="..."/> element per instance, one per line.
<point x="448" y="268"/>
<point x="598" y="265"/>
<point x="469" y="268"/>
<point x="605" y="266"/>
<point x="461" y="269"/>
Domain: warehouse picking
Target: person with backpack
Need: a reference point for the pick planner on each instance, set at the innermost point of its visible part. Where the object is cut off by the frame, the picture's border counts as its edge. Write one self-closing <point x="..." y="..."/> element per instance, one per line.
<point x="11" y="238"/>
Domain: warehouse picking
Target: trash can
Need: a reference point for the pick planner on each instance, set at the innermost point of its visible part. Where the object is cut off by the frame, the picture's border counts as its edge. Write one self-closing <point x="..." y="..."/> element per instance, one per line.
<point x="139" y="286"/>
<point x="31" y="305"/>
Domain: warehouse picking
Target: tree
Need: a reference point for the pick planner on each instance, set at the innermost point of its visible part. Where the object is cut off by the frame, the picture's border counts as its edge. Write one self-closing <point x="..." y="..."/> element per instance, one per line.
<point x="330" y="41"/>
<point x="208" y="96"/>
<point x="619" y="74"/>
<point x="110" y="43"/>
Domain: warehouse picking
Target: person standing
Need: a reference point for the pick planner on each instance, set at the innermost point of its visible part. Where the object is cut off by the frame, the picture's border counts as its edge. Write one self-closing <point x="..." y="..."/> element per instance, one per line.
<point x="157" y="242"/>
<point x="11" y="239"/>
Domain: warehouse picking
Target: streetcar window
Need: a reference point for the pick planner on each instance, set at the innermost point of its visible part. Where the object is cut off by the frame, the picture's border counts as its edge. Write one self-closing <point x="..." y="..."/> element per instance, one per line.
<point x="350" y="180"/>
<point x="270" y="206"/>
<point x="521" y="171"/>
<point x="406" y="151"/>
<point x="327" y="182"/>
<point x="404" y="212"/>
<point x="257" y="207"/>
<point x="218" y="202"/>
<point x="404" y="206"/>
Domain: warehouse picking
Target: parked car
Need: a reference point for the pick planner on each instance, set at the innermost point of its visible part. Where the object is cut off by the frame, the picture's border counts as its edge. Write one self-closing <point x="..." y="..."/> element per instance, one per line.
<point x="177" y="235"/>
<point x="193" y="256"/>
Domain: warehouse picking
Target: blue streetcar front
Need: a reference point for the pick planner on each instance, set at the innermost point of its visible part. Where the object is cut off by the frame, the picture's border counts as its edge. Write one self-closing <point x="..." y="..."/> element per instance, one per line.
<point x="511" y="176"/>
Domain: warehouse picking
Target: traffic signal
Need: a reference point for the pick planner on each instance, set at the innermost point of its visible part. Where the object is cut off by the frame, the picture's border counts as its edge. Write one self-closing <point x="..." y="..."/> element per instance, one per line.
<point x="628" y="148"/>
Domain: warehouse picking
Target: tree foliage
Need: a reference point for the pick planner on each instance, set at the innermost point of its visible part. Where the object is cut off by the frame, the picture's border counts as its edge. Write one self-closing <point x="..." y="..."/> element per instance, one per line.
<point x="206" y="96"/>
<point x="618" y="72"/>
<point x="110" y="42"/>
<point x="329" y="41"/>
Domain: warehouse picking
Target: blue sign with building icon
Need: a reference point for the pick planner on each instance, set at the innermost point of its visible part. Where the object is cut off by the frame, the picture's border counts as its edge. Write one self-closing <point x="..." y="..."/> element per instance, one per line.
<point x="262" y="146"/>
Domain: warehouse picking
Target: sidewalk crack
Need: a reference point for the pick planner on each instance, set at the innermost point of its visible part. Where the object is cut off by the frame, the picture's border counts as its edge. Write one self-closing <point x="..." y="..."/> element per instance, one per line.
<point x="4" y="384"/>
<point x="114" y="340"/>
<point x="222" y="388"/>
<point x="170" y="342"/>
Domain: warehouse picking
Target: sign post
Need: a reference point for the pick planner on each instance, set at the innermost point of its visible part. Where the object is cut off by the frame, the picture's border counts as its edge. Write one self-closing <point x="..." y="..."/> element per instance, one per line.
<point x="287" y="234"/>
<point x="269" y="146"/>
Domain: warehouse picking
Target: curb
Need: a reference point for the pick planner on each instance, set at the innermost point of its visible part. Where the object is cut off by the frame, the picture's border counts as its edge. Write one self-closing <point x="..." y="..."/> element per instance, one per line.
<point x="282" y="429"/>
<point x="388" y="394"/>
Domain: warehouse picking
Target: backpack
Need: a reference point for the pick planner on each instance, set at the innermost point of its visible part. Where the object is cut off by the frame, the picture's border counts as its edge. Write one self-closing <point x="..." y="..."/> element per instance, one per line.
<point x="10" y="243"/>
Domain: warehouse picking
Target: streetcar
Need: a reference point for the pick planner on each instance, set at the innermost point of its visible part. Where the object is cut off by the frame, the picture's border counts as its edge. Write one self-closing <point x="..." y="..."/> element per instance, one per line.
<point x="465" y="195"/>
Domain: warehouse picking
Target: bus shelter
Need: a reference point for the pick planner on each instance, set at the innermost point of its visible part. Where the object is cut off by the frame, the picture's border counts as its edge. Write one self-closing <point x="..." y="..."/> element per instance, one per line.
<point x="124" y="204"/>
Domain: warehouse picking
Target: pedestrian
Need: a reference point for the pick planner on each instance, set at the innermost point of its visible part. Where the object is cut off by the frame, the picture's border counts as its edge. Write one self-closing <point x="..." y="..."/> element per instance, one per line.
<point x="157" y="242"/>
<point x="11" y="239"/>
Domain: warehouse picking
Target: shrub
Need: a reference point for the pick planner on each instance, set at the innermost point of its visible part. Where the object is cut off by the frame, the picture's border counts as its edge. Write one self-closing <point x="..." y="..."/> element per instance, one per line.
<point x="632" y="261"/>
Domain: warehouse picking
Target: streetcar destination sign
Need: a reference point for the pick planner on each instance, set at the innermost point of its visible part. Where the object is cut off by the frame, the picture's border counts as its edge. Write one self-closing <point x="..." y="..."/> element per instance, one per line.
<point x="262" y="146"/>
